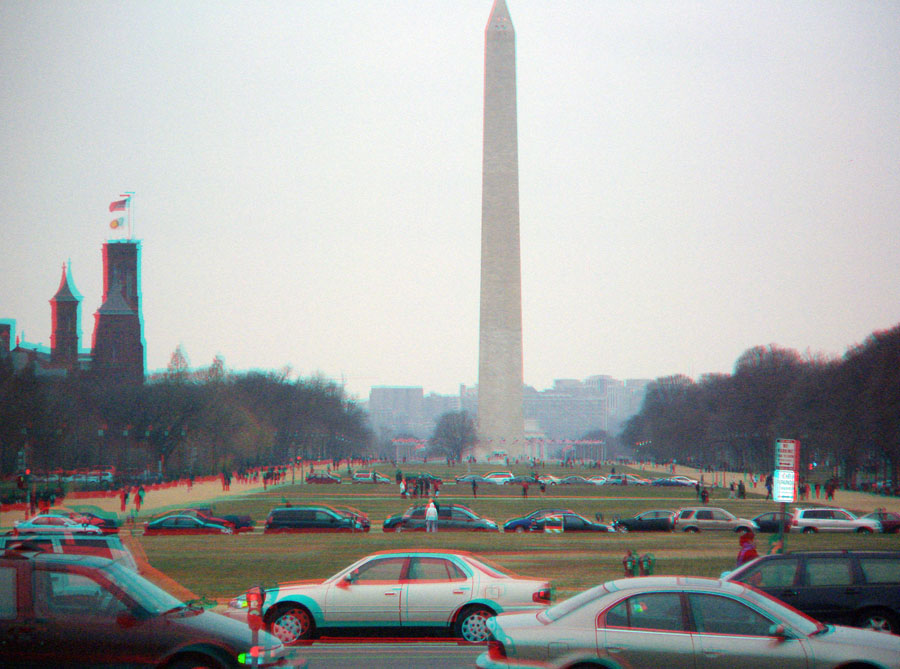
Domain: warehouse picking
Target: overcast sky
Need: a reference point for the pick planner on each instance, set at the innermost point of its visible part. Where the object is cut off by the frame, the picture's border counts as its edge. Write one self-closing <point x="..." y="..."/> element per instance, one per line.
<point x="696" y="178"/>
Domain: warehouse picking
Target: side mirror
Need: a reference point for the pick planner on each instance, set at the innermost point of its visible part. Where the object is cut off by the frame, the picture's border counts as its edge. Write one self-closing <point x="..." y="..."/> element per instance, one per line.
<point x="781" y="632"/>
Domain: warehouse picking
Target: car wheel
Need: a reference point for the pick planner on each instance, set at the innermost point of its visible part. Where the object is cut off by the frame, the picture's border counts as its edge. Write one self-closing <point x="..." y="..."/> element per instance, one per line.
<point x="471" y="624"/>
<point x="520" y="529"/>
<point x="290" y="623"/>
<point x="864" y="530"/>
<point x="878" y="620"/>
<point x="621" y="528"/>
<point x="741" y="529"/>
<point x="809" y="530"/>
<point x="691" y="529"/>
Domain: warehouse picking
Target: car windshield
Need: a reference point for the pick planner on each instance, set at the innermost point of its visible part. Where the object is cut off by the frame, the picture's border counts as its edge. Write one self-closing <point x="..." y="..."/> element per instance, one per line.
<point x="150" y="596"/>
<point x="567" y="606"/>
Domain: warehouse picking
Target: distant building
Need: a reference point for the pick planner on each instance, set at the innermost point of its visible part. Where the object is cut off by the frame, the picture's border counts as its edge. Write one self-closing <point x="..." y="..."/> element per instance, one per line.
<point x="117" y="345"/>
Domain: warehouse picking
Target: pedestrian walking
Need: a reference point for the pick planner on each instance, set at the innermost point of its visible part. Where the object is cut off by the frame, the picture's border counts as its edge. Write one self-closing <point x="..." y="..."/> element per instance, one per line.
<point x="474" y="488"/>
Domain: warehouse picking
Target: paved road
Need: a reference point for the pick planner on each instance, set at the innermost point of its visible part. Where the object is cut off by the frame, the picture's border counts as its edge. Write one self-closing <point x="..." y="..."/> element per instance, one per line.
<point x="391" y="655"/>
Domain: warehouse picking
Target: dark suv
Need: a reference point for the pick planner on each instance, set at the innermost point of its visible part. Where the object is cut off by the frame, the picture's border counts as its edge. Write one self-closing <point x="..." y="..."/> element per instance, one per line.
<point x="318" y="518"/>
<point x="80" y="611"/>
<point x="860" y="588"/>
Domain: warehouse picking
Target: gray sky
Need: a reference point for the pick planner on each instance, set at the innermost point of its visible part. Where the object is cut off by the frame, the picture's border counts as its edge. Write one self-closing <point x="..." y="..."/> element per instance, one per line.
<point x="696" y="179"/>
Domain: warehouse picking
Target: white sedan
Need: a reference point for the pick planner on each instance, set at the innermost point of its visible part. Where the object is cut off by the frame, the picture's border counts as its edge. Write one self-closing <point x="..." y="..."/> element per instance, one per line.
<point x="426" y="592"/>
<point x="48" y="522"/>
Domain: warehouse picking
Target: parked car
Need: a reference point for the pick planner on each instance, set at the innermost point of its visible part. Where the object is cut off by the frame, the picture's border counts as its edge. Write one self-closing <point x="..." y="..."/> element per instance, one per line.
<point x="369" y="477"/>
<point x="468" y="478"/>
<point x="523" y="523"/>
<point x="522" y="478"/>
<point x="769" y="522"/>
<point x="655" y="520"/>
<point x="889" y="520"/>
<point x="827" y="519"/>
<point x="695" y="519"/>
<point x="548" y="479"/>
<point x="108" y="524"/>
<point x="597" y="479"/>
<point x="204" y="513"/>
<point x="567" y="522"/>
<point x="107" y="546"/>
<point x="425" y="592"/>
<point x="455" y="517"/>
<point x="498" y="477"/>
<point x="573" y="479"/>
<point x="676" y="621"/>
<point x="625" y="479"/>
<point x="322" y="477"/>
<point x="51" y="522"/>
<point x="240" y="523"/>
<point x="673" y="481"/>
<point x="315" y="518"/>
<point x="179" y="523"/>
<point x="860" y="588"/>
<point x="77" y="610"/>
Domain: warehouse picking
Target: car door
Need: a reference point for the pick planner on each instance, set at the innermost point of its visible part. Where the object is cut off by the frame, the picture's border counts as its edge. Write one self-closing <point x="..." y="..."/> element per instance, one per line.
<point x="434" y="588"/>
<point x="647" y="630"/>
<point x="373" y="596"/>
<point x="827" y="589"/>
<point x="79" y="608"/>
<point x="729" y="633"/>
<point x="416" y="519"/>
<point x="574" y="523"/>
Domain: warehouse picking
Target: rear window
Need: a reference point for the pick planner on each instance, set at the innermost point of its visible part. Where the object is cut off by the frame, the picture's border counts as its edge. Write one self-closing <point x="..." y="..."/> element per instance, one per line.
<point x="880" y="570"/>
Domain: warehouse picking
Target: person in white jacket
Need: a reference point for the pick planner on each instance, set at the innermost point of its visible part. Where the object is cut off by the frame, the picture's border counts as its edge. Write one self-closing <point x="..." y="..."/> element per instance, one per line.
<point x="431" y="517"/>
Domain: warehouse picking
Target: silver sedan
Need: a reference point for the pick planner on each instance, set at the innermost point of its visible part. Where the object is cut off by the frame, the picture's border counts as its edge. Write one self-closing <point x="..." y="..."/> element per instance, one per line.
<point x="679" y="622"/>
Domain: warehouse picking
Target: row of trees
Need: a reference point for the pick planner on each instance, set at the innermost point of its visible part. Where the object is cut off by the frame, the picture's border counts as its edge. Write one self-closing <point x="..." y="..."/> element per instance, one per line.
<point x="186" y="422"/>
<point x="844" y="411"/>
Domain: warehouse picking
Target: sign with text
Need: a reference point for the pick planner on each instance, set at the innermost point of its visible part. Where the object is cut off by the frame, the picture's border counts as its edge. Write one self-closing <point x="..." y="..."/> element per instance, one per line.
<point x="783" y="485"/>
<point x="787" y="454"/>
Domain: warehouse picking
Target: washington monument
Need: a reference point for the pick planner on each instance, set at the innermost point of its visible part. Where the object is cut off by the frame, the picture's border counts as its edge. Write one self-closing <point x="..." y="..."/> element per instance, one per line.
<point x="501" y="425"/>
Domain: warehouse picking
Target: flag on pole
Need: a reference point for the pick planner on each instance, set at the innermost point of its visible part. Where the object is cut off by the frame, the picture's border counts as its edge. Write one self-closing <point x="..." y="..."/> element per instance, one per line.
<point x="117" y="222"/>
<point x="118" y="205"/>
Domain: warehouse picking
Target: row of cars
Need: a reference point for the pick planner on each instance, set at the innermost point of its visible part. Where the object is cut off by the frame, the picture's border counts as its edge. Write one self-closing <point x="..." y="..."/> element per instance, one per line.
<point x="507" y="477"/>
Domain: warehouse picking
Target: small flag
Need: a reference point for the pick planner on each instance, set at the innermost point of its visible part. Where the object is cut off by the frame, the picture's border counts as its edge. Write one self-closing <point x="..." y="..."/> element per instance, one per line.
<point x="117" y="223"/>
<point x="118" y="205"/>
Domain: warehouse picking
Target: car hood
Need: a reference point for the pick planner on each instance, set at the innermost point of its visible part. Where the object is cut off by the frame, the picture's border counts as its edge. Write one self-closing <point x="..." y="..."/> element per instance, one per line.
<point x="210" y="625"/>
<point x="838" y="635"/>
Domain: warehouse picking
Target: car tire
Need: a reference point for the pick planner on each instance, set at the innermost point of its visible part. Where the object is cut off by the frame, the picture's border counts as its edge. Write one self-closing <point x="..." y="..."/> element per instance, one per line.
<point x="742" y="529"/>
<point x="621" y="528"/>
<point x="291" y="623"/>
<point x="879" y="620"/>
<point x="809" y="530"/>
<point x="520" y="529"/>
<point x="692" y="529"/>
<point x="864" y="530"/>
<point x="471" y="625"/>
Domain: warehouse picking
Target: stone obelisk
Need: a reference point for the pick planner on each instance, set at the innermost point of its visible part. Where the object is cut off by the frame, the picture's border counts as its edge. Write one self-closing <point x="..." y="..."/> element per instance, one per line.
<point x="501" y="425"/>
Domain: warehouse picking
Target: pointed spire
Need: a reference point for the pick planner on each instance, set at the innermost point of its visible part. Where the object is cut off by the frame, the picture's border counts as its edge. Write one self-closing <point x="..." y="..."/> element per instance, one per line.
<point x="115" y="302"/>
<point x="65" y="292"/>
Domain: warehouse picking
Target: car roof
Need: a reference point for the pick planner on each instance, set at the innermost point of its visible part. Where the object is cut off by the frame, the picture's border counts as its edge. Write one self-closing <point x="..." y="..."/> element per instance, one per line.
<point x="660" y="582"/>
<point x="94" y="561"/>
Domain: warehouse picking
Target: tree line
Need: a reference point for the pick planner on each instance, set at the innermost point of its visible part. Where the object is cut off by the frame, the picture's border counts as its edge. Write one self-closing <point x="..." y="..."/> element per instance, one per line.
<point x="844" y="411"/>
<point x="182" y="423"/>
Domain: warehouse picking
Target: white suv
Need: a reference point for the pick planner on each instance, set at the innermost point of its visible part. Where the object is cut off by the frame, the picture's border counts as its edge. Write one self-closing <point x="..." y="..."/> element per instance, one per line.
<point x="828" y="519"/>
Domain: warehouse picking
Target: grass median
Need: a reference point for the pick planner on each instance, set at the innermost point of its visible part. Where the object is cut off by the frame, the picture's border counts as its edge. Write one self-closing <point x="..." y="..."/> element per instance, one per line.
<point x="217" y="566"/>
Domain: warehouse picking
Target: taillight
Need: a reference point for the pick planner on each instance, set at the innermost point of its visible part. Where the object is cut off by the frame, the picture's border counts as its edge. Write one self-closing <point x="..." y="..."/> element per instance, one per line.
<point x="496" y="650"/>
<point x="794" y="522"/>
<point x="541" y="596"/>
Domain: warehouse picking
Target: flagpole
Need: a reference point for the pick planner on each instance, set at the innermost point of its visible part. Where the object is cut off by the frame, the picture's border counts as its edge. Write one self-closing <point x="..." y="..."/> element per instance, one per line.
<point x="128" y="195"/>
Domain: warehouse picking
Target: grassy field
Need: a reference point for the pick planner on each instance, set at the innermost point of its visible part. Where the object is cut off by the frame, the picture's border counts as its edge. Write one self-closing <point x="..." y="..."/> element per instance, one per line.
<point x="221" y="566"/>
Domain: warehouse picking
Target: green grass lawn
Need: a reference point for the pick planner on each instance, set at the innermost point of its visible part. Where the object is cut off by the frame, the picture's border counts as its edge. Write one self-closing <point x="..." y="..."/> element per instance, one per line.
<point x="221" y="566"/>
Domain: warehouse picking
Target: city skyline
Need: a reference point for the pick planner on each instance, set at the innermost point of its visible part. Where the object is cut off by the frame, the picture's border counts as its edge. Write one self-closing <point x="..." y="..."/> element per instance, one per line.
<point x="695" y="180"/>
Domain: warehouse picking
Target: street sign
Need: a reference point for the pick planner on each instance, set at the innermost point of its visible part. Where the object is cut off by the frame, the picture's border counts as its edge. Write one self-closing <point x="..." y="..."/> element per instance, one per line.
<point x="783" y="485"/>
<point x="787" y="454"/>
